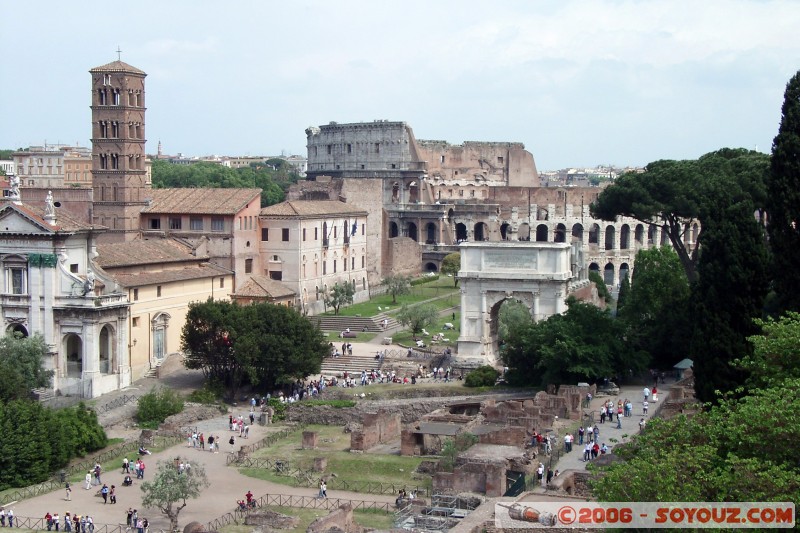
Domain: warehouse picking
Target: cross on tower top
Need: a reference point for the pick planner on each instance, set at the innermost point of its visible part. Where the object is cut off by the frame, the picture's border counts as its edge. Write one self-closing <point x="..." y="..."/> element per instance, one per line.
<point x="119" y="54"/>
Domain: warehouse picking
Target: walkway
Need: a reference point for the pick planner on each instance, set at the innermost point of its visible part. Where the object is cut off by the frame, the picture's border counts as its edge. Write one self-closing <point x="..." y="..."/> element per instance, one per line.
<point x="227" y="486"/>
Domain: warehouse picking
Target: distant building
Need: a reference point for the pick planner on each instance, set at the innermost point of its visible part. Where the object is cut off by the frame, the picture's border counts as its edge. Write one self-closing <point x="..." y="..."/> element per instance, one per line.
<point x="309" y="246"/>
<point x="52" y="166"/>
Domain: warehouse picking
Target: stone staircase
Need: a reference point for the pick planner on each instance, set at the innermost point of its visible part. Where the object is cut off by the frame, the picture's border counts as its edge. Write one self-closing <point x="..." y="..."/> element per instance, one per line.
<point x="353" y="364"/>
<point x="372" y="324"/>
<point x="43" y="395"/>
<point x="152" y="372"/>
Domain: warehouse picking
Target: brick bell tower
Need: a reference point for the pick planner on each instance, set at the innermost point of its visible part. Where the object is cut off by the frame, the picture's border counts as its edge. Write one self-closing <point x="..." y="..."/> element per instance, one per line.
<point x="119" y="176"/>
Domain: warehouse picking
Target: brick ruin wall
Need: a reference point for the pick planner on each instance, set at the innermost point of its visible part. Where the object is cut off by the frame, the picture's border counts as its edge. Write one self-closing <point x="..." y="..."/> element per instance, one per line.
<point x="378" y="428"/>
<point x="339" y="520"/>
<point x="403" y="257"/>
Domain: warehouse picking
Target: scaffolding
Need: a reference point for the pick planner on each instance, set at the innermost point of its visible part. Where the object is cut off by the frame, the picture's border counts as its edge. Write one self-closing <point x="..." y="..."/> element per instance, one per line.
<point x="444" y="512"/>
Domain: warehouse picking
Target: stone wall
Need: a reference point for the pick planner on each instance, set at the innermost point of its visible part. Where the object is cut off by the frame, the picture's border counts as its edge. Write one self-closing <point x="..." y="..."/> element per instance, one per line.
<point x="339" y="520"/>
<point x="403" y="257"/>
<point x="489" y="479"/>
<point x="509" y="435"/>
<point x="378" y="428"/>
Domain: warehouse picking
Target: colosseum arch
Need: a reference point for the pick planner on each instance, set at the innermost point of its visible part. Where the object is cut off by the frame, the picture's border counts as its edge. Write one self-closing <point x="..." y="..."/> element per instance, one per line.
<point x="542" y="233"/>
<point x="560" y="233"/>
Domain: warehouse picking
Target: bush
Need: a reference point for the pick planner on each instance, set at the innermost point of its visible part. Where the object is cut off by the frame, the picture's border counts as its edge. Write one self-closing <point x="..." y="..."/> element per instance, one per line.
<point x="279" y="408"/>
<point x="210" y="394"/>
<point x="424" y="279"/>
<point x="156" y="406"/>
<point x="481" y="377"/>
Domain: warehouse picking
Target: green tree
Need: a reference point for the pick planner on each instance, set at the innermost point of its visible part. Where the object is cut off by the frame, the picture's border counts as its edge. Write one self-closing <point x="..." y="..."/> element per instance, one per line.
<point x="397" y="285"/>
<point x="451" y="264"/>
<point x="21" y="365"/>
<point x="736" y="451"/>
<point x="602" y="288"/>
<point x="776" y="352"/>
<point x="783" y="202"/>
<point x="512" y="314"/>
<point x="656" y="312"/>
<point x="417" y="317"/>
<point x="624" y="292"/>
<point x="155" y="406"/>
<point x="169" y="489"/>
<point x="585" y="343"/>
<point x="729" y="294"/>
<point x="339" y="295"/>
<point x="677" y="194"/>
<point x="260" y="344"/>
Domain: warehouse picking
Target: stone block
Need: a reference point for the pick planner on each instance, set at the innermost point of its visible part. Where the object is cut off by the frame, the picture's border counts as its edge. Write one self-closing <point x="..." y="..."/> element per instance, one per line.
<point x="309" y="440"/>
<point x="320" y="464"/>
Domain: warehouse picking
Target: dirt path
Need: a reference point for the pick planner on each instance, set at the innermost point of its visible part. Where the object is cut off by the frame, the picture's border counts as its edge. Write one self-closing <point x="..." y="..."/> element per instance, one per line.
<point x="227" y="486"/>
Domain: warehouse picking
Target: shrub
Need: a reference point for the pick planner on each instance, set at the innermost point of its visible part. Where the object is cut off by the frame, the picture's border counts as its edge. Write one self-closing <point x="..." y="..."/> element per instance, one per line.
<point x="452" y="447"/>
<point x="156" y="406"/>
<point x="338" y="404"/>
<point x="481" y="377"/>
<point x="424" y="279"/>
<point x="279" y="408"/>
<point x="210" y="394"/>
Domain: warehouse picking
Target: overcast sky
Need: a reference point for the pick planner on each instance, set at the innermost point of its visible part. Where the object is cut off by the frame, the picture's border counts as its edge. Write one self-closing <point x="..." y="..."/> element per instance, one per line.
<point x="580" y="83"/>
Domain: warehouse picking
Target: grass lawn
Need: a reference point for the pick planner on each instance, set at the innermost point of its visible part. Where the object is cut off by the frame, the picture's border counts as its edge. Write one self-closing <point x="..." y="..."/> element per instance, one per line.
<point x="334" y="444"/>
<point x="333" y="336"/>
<point x="442" y="287"/>
<point x="366" y="518"/>
<point x="406" y="339"/>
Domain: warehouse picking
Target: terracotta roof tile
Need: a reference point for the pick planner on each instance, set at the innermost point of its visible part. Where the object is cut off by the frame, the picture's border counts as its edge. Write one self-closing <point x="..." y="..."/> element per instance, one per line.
<point x="264" y="287"/>
<point x="144" y="252"/>
<point x="118" y="66"/>
<point x="311" y="208"/>
<point x="200" y="271"/>
<point x="63" y="222"/>
<point x="206" y="201"/>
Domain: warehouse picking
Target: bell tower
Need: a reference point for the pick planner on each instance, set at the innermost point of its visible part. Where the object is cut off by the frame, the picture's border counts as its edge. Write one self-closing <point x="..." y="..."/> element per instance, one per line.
<point x="119" y="176"/>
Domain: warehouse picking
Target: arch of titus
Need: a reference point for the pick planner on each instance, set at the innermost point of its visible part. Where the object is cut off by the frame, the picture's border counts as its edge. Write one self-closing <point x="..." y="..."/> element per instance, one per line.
<point x="538" y="274"/>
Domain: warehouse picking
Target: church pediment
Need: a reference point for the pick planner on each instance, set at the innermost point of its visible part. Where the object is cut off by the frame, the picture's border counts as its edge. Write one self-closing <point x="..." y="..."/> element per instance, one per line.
<point x="16" y="221"/>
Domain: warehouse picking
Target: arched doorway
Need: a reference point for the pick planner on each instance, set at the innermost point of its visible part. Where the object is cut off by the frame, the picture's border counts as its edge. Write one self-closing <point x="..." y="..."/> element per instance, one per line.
<point x="639" y="235"/>
<point x="413" y="193"/>
<point x="325" y="234"/>
<point x="624" y="270"/>
<point x="430" y="233"/>
<point x="608" y="275"/>
<point x="73" y="346"/>
<point x="412" y="231"/>
<point x="577" y="233"/>
<point x="160" y="323"/>
<point x="594" y="267"/>
<point x="541" y="233"/>
<point x="106" y="349"/>
<point x="505" y="316"/>
<point x="395" y="192"/>
<point x="652" y="234"/>
<point x="18" y="330"/>
<point x="524" y="232"/>
<point x="393" y="231"/>
<point x="594" y="234"/>
<point x="461" y="232"/>
<point x="665" y="236"/>
<point x="431" y="267"/>
<point x="504" y="227"/>
<point x="481" y="232"/>
<point x="625" y="237"/>
<point x="610" y="237"/>
<point x="561" y="233"/>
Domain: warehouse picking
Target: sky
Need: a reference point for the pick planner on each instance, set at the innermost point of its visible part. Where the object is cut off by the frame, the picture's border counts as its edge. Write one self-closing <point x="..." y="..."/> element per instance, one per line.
<point x="580" y="83"/>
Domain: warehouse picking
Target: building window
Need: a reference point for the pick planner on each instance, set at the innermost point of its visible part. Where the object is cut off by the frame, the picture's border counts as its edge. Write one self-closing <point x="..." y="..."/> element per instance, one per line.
<point x="334" y="266"/>
<point x="364" y="283"/>
<point x="317" y="293"/>
<point x="277" y="275"/>
<point x="15" y="280"/>
<point x="155" y="223"/>
<point x="174" y="223"/>
<point x="363" y="229"/>
<point x="363" y="261"/>
<point x="304" y="234"/>
<point x="330" y="148"/>
<point x="248" y="266"/>
<point x="285" y="235"/>
<point x="353" y="263"/>
<point x="349" y="148"/>
<point x="73" y="267"/>
<point x="135" y="322"/>
<point x="221" y="283"/>
<point x="316" y="231"/>
<point x="264" y="234"/>
<point x="196" y="224"/>
<point x="217" y="224"/>
<point x="135" y="295"/>
<point x="158" y="291"/>
<point x="377" y="148"/>
<point x="324" y="267"/>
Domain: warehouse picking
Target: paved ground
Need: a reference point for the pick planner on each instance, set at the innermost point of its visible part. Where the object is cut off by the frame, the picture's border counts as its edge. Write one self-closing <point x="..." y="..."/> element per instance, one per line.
<point x="227" y="486"/>
<point x="608" y="430"/>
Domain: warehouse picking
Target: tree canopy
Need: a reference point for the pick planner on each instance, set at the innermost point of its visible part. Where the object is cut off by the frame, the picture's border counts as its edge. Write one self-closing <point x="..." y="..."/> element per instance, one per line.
<point x="262" y="344"/>
<point x="451" y="264"/>
<point x="340" y="294"/>
<point x="678" y="194"/>
<point x="417" y="317"/>
<point x="273" y="179"/>
<point x="783" y="202"/>
<point x="21" y="365"/>
<point x="397" y="285"/>
<point x="583" y="344"/>
<point x="170" y="488"/>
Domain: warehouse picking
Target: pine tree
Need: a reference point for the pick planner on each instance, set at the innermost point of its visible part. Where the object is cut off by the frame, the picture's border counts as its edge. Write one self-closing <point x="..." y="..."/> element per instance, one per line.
<point x="783" y="203"/>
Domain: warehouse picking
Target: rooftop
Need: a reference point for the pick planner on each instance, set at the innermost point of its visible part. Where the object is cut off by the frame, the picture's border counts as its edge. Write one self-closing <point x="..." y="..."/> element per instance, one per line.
<point x="311" y="208"/>
<point x="205" y="201"/>
<point x="264" y="287"/>
<point x="144" y="252"/>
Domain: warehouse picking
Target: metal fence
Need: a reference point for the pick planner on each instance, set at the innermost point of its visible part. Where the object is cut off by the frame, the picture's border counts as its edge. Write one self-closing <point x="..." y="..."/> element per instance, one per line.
<point x="118" y="402"/>
<point x="40" y="524"/>
<point x="310" y="478"/>
<point x="301" y="502"/>
<point x="266" y="442"/>
<point x="124" y="448"/>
